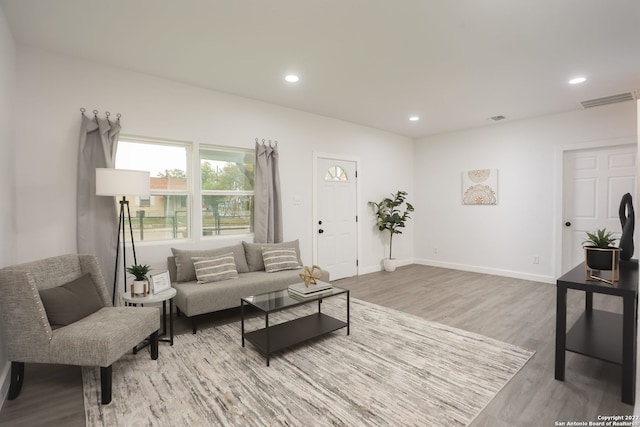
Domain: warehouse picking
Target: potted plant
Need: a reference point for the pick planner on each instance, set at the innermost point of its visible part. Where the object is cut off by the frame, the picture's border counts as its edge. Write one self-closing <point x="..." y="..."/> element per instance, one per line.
<point x="600" y="254"/>
<point x="392" y="214"/>
<point x="141" y="284"/>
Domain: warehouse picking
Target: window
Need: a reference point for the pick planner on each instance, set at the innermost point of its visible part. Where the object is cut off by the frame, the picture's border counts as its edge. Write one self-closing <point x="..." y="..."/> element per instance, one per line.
<point x="335" y="173"/>
<point x="165" y="214"/>
<point x="144" y="202"/>
<point x="225" y="195"/>
<point x="226" y="182"/>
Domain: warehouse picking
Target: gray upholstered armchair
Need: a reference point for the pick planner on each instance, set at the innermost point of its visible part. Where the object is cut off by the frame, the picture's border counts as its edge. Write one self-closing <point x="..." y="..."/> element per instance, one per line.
<point x="97" y="339"/>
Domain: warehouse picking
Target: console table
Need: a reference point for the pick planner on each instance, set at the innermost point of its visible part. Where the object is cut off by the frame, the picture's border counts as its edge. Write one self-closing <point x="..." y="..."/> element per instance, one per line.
<point x="600" y="334"/>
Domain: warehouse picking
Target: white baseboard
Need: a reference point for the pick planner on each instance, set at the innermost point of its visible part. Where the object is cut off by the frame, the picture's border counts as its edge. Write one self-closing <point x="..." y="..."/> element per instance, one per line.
<point x="487" y="270"/>
<point x="463" y="267"/>
<point x="4" y="382"/>
<point x="376" y="268"/>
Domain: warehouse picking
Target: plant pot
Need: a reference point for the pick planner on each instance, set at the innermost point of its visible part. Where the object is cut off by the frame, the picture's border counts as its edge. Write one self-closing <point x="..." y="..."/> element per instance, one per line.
<point x="139" y="287"/>
<point x="389" y="264"/>
<point x="603" y="259"/>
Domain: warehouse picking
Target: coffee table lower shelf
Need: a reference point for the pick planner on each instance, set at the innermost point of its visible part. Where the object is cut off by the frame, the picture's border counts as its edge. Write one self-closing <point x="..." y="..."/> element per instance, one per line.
<point x="287" y="334"/>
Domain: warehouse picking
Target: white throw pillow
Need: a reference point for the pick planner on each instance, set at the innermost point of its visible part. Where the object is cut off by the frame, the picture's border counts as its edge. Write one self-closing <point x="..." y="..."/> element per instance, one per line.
<point x="277" y="259"/>
<point x="214" y="269"/>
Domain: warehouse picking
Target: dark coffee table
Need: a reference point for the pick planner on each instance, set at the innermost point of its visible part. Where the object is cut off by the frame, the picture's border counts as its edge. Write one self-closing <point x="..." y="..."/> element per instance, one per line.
<point x="274" y="338"/>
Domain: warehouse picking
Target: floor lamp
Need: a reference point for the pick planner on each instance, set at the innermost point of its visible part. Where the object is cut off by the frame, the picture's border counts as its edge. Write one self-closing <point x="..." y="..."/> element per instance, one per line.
<point x="122" y="182"/>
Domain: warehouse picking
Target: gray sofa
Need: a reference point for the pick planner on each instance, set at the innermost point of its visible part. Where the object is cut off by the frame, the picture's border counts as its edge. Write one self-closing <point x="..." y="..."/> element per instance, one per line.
<point x="193" y="299"/>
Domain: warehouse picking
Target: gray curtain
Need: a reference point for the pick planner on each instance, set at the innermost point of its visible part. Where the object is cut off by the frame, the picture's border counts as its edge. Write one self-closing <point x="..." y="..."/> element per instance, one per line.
<point x="267" y="199"/>
<point x="97" y="222"/>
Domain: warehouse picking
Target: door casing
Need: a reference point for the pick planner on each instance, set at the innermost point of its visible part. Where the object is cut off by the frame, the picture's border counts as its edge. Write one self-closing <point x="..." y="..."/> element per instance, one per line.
<point x="314" y="220"/>
<point x="559" y="170"/>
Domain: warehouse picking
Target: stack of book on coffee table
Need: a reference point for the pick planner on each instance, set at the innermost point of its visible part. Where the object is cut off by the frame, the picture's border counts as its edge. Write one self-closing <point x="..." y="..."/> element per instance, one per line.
<point x="303" y="291"/>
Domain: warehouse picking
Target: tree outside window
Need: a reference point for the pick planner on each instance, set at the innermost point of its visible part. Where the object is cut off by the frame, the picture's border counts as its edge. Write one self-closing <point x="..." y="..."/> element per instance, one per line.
<point x="226" y="179"/>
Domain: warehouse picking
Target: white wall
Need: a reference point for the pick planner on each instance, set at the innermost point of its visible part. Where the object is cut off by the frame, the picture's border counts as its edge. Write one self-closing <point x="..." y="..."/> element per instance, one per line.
<point x="503" y="239"/>
<point x="52" y="88"/>
<point x="7" y="170"/>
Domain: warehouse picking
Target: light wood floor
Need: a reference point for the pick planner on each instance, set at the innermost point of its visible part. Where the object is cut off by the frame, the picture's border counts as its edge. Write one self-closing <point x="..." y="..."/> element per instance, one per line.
<point x="515" y="311"/>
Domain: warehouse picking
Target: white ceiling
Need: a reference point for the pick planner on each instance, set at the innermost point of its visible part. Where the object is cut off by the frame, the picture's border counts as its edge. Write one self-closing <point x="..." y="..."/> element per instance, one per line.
<point x="454" y="63"/>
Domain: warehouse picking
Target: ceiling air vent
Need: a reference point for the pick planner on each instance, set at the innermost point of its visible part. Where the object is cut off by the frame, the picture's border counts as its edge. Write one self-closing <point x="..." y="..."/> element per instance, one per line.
<point x="596" y="102"/>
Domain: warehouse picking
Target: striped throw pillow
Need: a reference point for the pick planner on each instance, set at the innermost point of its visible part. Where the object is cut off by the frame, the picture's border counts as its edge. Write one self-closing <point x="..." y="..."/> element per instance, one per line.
<point x="277" y="259"/>
<point x="215" y="269"/>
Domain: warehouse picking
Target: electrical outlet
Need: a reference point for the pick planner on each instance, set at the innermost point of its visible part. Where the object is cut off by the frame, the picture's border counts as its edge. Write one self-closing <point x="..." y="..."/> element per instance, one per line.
<point x="435" y="250"/>
<point x="536" y="259"/>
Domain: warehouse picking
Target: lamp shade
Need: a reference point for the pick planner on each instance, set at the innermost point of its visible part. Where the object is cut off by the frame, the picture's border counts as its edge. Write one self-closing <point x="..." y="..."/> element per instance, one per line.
<point x="121" y="182"/>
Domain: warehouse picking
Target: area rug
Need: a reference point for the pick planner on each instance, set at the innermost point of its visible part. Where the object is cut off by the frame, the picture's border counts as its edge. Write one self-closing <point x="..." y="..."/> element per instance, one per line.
<point x="393" y="369"/>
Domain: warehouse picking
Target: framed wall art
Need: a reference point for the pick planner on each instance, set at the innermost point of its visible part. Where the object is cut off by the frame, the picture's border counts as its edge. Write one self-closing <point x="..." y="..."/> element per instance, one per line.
<point x="480" y="187"/>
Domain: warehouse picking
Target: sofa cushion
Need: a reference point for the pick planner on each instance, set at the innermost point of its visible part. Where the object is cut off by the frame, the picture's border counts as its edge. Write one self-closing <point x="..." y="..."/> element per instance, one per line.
<point x="184" y="264"/>
<point x="68" y="303"/>
<point x="278" y="259"/>
<point x="116" y="336"/>
<point x="215" y="269"/>
<point x="194" y="299"/>
<point x="253" y="253"/>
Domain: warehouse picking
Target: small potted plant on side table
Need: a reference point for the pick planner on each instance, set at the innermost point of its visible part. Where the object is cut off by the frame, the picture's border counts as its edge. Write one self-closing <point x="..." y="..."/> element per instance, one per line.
<point x="601" y="255"/>
<point x="140" y="286"/>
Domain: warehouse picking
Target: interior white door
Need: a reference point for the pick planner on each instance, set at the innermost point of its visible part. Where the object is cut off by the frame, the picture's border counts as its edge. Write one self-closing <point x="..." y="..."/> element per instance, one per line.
<point x="594" y="182"/>
<point x="336" y="212"/>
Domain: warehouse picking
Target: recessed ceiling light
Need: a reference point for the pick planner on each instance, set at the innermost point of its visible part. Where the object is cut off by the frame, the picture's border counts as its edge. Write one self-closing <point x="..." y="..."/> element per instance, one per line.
<point x="292" y="78"/>
<point x="577" y="80"/>
<point x="414" y="118"/>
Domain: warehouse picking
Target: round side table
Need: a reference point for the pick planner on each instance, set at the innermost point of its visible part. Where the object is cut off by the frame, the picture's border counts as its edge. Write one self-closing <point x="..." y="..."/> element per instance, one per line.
<point x="162" y="297"/>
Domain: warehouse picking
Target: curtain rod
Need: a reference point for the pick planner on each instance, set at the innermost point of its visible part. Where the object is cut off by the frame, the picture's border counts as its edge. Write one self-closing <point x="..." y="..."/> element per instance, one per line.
<point x="95" y="113"/>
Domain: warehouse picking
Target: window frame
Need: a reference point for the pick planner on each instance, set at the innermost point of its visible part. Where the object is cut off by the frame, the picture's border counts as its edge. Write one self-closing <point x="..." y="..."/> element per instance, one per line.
<point x="189" y="192"/>
<point x="194" y="193"/>
<point x="201" y="193"/>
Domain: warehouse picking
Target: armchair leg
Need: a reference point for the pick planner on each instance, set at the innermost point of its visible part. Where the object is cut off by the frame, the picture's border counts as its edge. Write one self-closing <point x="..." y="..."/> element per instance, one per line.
<point x="17" y="377"/>
<point x="105" y="384"/>
<point x="193" y="325"/>
<point x="153" y="345"/>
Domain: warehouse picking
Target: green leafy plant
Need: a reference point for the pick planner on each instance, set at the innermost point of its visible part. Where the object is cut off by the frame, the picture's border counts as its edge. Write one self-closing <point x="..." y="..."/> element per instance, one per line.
<point x="392" y="214"/>
<point x="139" y="271"/>
<point x="600" y="239"/>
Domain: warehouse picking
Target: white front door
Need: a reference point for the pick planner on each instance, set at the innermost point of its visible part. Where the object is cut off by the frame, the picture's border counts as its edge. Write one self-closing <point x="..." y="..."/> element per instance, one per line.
<point x="336" y="217"/>
<point x="594" y="182"/>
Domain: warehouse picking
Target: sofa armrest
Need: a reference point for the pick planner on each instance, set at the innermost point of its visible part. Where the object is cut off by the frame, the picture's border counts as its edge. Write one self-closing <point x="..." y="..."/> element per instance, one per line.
<point x="23" y="317"/>
<point x="172" y="268"/>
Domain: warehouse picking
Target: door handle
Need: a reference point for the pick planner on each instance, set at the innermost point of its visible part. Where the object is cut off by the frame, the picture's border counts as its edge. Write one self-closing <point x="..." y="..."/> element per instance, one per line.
<point x="567" y="224"/>
<point x="321" y="231"/>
